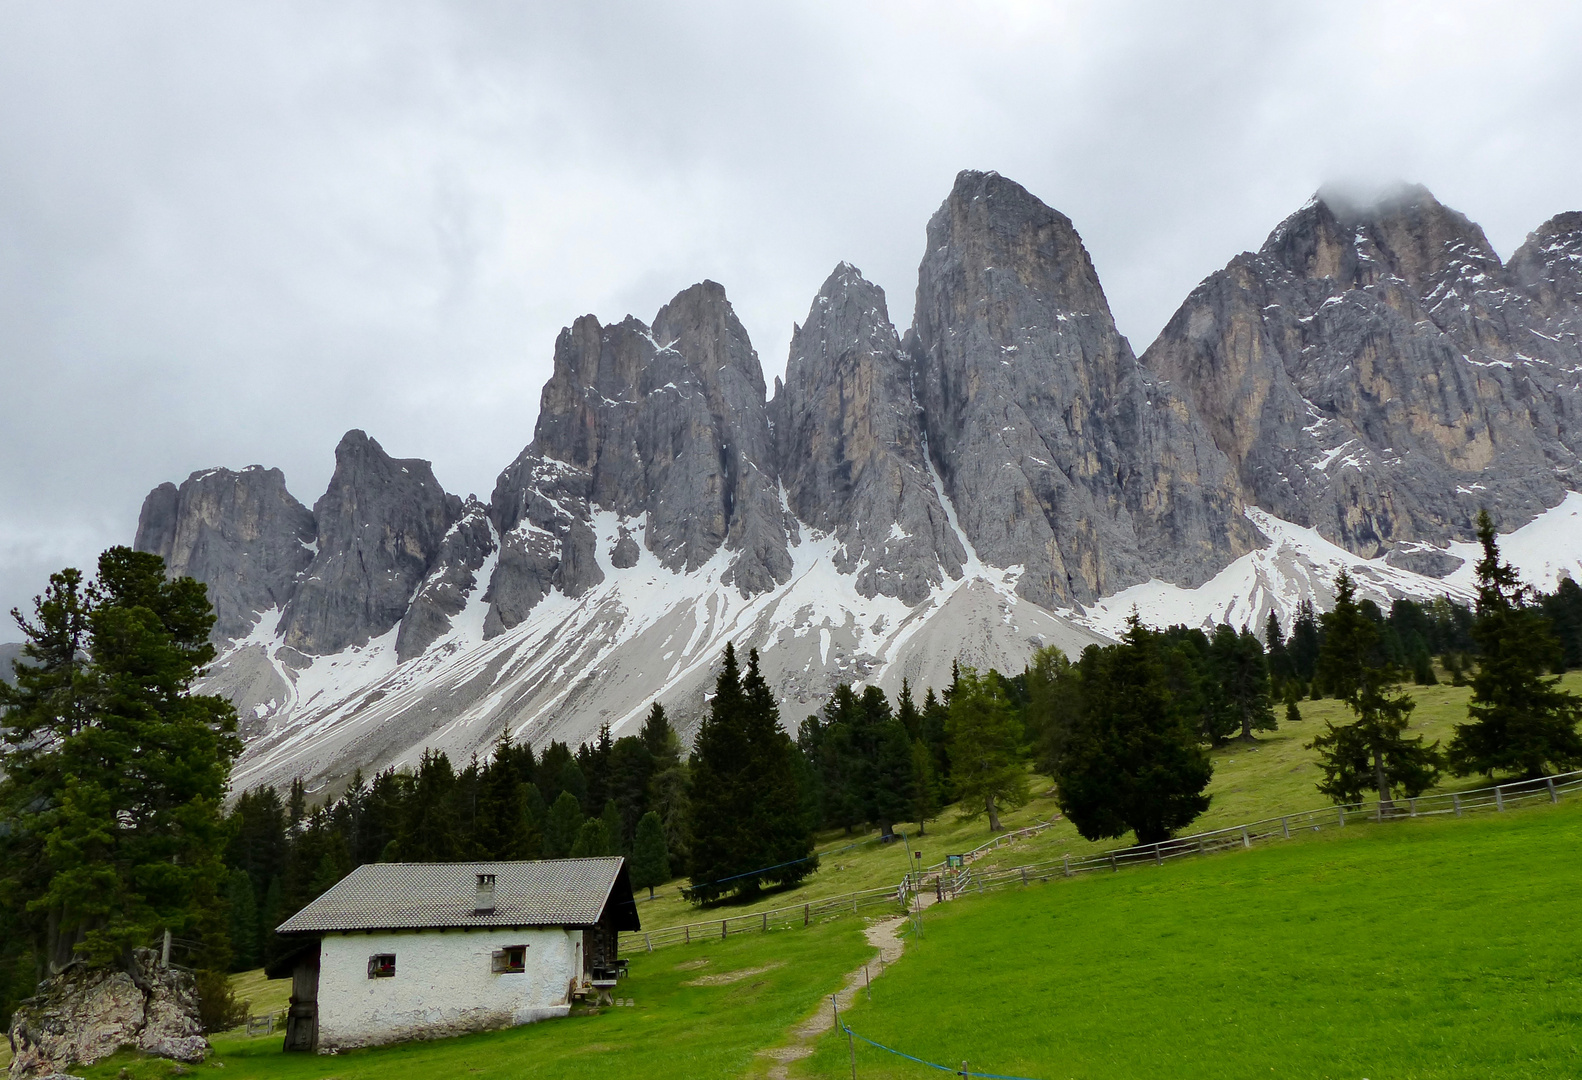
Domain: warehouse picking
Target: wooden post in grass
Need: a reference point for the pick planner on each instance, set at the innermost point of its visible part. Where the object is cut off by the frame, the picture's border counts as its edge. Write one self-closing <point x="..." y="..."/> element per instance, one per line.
<point x="1412" y="803"/>
<point x="687" y="930"/>
<point x="1554" y="796"/>
<point x="1246" y="841"/>
<point x="649" y="942"/>
<point x="722" y="929"/>
<point x="1499" y="798"/>
<point x="1159" y="860"/>
<point x="1342" y="810"/>
<point x="1285" y="827"/>
<point x="1113" y="867"/>
<point x="805" y="908"/>
<point x="1455" y="800"/>
<point x="766" y="922"/>
<point x="1067" y="862"/>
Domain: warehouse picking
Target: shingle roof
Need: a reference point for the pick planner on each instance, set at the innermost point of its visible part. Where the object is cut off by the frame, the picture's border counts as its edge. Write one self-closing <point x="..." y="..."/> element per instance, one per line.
<point x="401" y="896"/>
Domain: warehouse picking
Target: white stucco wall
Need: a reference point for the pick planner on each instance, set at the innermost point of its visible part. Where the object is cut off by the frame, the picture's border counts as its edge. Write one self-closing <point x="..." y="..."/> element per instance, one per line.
<point x="443" y="984"/>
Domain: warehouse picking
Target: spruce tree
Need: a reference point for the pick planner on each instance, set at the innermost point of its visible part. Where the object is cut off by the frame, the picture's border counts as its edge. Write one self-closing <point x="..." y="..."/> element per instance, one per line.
<point x="1132" y="762"/>
<point x="936" y="716"/>
<point x="611" y="817"/>
<point x="430" y="828"/>
<point x="748" y="828"/>
<point x="985" y="747"/>
<point x="650" y="858"/>
<point x="593" y="839"/>
<point x="503" y="829"/>
<point x="242" y="905"/>
<point x="892" y="794"/>
<point x="1304" y="643"/>
<point x="1520" y="721"/>
<point x="907" y="713"/>
<point x="1054" y="700"/>
<point x="925" y="786"/>
<point x="1247" y="689"/>
<point x="631" y="769"/>
<point x="1373" y="751"/>
<point x="562" y="826"/>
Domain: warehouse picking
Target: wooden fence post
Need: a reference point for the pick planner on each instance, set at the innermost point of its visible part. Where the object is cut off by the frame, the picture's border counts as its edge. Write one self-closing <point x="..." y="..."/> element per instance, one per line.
<point x="1455" y="801"/>
<point x="805" y="908"/>
<point x="722" y="929"/>
<point x="1413" y="804"/>
<point x="1246" y="841"/>
<point x="687" y="930"/>
<point x="1499" y="798"/>
<point x="1067" y="863"/>
<point x="1342" y="810"/>
<point x="649" y="942"/>
<point x="1159" y="860"/>
<point x="1113" y="866"/>
<point x="766" y="922"/>
<point x="1554" y="796"/>
<point x="1285" y="827"/>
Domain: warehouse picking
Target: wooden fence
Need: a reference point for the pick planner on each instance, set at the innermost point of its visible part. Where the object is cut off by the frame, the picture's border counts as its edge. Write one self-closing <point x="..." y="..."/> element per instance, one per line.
<point x="951" y="882"/>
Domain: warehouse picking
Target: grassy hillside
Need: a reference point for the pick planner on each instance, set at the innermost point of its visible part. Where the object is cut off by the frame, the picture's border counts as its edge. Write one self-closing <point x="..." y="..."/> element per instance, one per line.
<point x="702" y="1011"/>
<point x="1429" y="949"/>
<point x="1273" y="775"/>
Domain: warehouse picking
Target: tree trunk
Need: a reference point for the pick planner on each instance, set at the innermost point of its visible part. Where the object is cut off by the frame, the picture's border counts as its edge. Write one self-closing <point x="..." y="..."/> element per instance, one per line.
<point x="1380" y="779"/>
<point x="650" y="892"/>
<point x="994" y="814"/>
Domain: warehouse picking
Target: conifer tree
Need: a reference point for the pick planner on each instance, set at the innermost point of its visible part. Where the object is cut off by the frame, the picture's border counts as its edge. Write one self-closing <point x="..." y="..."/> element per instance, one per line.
<point x="1519" y="720"/>
<point x="1054" y="699"/>
<point x="107" y="678"/>
<point x="907" y="712"/>
<point x="936" y="715"/>
<point x="503" y="829"/>
<point x="892" y="794"/>
<point x="631" y="769"/>
<point x="1132" y="761"/>
<point x="1303" y="644"/>
<point x="1248" y="693"/>
<point x="1373" y="751"/>
<point x="650" y="859"/>
<point x="925" y="787"/>
<point x="611" y="817"/>
<point x="243" y="908"/>
<point x="593" y="839"/>
<point x="985" y="747"/>
<point x="430" y="828"/>
<point x="562" y="826"/>
<point x="748" y="829"/>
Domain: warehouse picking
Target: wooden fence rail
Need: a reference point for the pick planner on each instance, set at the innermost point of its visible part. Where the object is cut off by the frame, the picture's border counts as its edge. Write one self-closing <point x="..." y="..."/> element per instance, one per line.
<point x="953" y="882"/>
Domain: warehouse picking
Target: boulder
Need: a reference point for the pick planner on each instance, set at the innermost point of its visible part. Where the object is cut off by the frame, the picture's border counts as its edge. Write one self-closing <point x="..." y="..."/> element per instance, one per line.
<point x="84" y="1015"/>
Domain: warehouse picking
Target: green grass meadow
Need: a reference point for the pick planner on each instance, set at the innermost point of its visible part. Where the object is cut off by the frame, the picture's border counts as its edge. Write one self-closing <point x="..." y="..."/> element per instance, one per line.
<point x="1425" y="949"/>
<point x="675" y="1030"/>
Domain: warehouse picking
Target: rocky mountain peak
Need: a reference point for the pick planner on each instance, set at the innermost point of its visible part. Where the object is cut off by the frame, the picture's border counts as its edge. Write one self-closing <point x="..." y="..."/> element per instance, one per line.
<point x="380" y="524"/>
<point x="1062" y="457"/>
<point x="241" y="533"/>
<point x="849" y="439"/>
<point x="1548" y="268"/>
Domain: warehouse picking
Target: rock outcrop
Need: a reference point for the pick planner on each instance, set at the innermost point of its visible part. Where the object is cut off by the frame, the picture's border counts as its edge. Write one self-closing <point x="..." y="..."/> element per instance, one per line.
<point x="455" y="575"/>
<point x="84" y="1015"/>
<point x="1061" y="454"/>
<point x="849" y="440"/>
<point x="380" y="526"/>
<point x="1376" y="373"/>
<point x="667" y="424"/>
<point x="240" y="533"/>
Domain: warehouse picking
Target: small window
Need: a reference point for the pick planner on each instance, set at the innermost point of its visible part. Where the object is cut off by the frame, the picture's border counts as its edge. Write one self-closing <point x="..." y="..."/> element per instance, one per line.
<point x="381" y="965"/>
<point x="509" y="960"/>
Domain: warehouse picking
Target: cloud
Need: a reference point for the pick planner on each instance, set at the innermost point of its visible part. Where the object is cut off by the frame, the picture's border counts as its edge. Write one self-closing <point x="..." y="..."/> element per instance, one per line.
<point x="230" y="232"/>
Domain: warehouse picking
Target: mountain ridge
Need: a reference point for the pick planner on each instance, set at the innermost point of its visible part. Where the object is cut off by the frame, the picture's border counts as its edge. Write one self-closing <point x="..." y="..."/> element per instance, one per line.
<point x="1004" y="474"/>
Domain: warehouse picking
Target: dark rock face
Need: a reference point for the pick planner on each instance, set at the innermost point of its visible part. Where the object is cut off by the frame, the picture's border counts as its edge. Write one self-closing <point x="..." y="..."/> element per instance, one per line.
<point x="240" y="533"/>
<point x="668" y="422"/>
<point x="380" y="526"/>
<point x="1061" y="454"/>
<point x="849" y="439"/>
<point x="450" y="580"/>
<point x="1376" y="373"/>
<point x="1547" y="268"/>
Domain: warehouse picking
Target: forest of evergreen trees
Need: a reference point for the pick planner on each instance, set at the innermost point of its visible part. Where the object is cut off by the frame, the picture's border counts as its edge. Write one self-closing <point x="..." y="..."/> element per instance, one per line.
<point x="1123" y="731"/>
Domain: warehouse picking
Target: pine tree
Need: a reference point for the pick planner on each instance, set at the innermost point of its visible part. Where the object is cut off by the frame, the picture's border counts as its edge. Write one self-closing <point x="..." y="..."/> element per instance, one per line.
<point x="1281" y="669"/>
<point x="936" y="715"/>
<point x="906" y="711"/>
<point x="631" y="769"/>
<point x="611" y="816"/>
<point x="130" y="840"/>
<point x="985" y="747"/>
<point x="1053" y="701"/>
<point x="1133" y="761"/>
<point x="1372" y="752"/>
<point x="1520" y="721"/>
<point x="892" y="793"/>
<point x="562" y="826"/>
<point x="650" y="858"/>
<point x="1304" y="643"/>
<point x="503" y="829"/>
<point x="430" y="828"/>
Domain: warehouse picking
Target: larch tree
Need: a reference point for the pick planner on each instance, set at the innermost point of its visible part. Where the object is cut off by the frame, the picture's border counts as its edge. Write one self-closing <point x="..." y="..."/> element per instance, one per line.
<point x="985" y="743"/>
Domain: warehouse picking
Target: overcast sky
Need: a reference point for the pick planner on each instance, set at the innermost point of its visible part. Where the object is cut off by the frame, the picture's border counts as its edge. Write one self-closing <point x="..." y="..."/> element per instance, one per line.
<point x="230" y="232"/>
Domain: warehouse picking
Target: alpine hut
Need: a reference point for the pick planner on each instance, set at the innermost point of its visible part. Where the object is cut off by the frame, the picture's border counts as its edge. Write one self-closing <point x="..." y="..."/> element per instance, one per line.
<point x="398" y="951"/>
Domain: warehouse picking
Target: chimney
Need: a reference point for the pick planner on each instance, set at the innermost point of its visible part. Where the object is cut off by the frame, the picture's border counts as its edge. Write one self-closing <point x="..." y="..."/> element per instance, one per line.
<point x="485" y="904"/>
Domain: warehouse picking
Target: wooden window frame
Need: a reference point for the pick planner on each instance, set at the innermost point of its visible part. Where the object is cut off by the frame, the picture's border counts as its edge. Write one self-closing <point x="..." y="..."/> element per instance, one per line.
<point x="510" y="960"/>
<point x="382" y="966"/>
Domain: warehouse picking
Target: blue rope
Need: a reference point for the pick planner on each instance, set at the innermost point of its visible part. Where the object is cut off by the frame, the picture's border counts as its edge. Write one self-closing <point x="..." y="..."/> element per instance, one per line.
<point x="930" y="1064"/>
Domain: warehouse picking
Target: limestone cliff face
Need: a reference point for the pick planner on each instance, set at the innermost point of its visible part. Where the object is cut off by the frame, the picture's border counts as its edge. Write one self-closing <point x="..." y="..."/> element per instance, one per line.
<point x="849" y="440"/>
<point x="452" y="579"/>
<point x="1061" y="454"/>
<point x="666" y="424"/>
<point x="380" y="525"/>
<point x="240" y="533"/>
<point x="1376" y="373"/>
